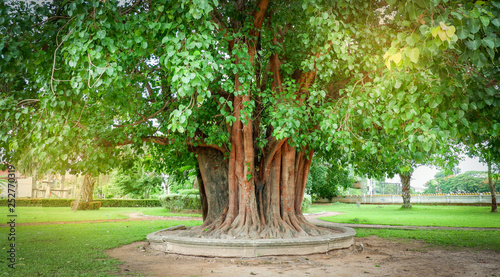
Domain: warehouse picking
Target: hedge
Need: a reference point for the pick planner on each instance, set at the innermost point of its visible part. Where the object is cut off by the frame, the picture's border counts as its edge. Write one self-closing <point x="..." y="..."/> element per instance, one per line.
<point x="87" y="205"/>
<point x="179" y="202"/>
<point x="38" y="202"/>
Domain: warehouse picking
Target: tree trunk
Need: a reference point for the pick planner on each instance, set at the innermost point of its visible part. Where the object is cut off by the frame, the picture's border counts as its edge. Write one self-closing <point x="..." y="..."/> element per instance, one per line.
<point x="213" y="183"/>
<point x="86" y="193"/>
<point x="406" y="189"/>
<point x="269" y="207"/>
<point x="494" y="206"/>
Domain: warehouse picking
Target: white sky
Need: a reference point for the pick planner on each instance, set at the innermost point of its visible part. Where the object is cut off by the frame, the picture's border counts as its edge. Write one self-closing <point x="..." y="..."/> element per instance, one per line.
<point x="425" y="173"/>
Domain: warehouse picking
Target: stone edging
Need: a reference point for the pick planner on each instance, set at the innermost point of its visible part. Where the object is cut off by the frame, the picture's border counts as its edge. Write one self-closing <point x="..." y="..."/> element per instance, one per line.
<point x="253" y="248"/>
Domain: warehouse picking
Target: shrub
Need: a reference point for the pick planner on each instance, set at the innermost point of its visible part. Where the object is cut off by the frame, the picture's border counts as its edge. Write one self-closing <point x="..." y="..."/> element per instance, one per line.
<point x="179" y="202"/>
<point x="130" y="203"/>
<point x="189" y="191"/>
<point x="306" y="202"/>
<point x="86" y="205"/>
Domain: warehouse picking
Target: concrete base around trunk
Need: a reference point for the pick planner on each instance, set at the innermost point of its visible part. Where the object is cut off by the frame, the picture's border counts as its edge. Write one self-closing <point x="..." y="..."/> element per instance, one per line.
<point x="342" y="238"/>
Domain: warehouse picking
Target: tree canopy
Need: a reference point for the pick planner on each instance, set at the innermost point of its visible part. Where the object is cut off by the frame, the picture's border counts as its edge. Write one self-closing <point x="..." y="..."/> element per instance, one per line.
<point x="468" y="182"/>
<point x="255" y="87"/>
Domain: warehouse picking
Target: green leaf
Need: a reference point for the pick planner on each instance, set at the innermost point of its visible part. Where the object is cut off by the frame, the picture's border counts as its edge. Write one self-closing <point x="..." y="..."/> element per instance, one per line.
<point x="489" y="42"/>
<point x="396" y="58"/>
<point x="110" y="71"/>
<point x="491" y="90"/>
<point x="435" y="31"/>
<point x="496" y="22"/>
<point x="485" y="20"/>
<point x="101" y="34"/>
<point x="473" y="44"/>
<point x="413" y="54"/>
<point x="475" y="25"/>
<point x="474" y="13"/>
<point x="426" y="146"/>
<point x="450" y="31"/>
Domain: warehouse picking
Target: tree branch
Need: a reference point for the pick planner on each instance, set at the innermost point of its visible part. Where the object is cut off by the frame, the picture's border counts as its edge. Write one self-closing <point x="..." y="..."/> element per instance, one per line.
<point x="146" y="118"/>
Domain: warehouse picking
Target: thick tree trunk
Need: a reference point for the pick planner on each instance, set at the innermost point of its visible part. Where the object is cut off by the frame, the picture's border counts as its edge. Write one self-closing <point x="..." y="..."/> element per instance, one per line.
<point x="86" y="193"/>
<point x="406" y="189"/>
<point x="270" y="207"/>
<point x="494" y="206"/>
<point x="213" y="184"/>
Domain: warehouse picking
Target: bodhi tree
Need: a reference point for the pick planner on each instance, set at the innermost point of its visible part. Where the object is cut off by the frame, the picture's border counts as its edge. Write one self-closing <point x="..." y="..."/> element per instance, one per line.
<point x="251" y="88"/>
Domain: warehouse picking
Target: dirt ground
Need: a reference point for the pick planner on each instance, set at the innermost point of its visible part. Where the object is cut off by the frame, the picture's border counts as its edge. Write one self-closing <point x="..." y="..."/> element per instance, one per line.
<point x="370" y="256"/>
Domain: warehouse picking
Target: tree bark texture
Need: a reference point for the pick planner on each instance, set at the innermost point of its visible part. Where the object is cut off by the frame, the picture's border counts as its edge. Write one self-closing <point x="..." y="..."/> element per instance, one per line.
<point x="213" y="184"/>
<point x="492" y="185"/>
<point x="406" y="189"/>
<point x="266" y="204"/>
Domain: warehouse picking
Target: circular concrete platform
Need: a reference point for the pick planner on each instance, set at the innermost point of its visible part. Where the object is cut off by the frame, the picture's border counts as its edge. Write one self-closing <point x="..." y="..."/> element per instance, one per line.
<point x="172" y="242"/>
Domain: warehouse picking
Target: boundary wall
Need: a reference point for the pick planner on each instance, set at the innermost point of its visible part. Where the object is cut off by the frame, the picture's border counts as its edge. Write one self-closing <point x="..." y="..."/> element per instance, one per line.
<point x="438" y="198"/>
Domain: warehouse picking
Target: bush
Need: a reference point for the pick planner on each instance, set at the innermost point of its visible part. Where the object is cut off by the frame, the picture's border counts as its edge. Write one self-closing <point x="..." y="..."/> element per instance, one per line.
<point x="86" y="205"/>
<point x="306" y="202"/>
<point x="189" y="191"/>
<point x="130" y="203"/>
<point x="179" y="202"/>
<point x="39" y="202"/>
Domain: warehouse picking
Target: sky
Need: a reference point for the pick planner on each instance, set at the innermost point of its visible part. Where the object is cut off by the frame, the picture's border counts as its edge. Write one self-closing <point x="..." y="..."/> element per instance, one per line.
<point x="425" y="173"/>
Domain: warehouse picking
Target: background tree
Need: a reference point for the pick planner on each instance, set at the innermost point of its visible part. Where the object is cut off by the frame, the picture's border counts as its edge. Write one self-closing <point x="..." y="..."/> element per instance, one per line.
<point x="488" y="150"/>
<point x="327" y="179"/>
<point x="251" y="88"/>
<point x="468" y="182"/>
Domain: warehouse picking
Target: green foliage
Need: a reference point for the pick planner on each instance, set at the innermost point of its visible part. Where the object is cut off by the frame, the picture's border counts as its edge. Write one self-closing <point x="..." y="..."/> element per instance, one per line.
<point x="189" y="191"/>
<point x="327" y="178"/>
<point x="306" y="202"/>
<point x="468" y="182"/>
<point x="179" y="202"/>
<point x="393" y="84"/>
<point x="39" y="202"/>
<point x="83" y="206"/>
<point x="130" y="203"/>
<point x="136" y="184"/>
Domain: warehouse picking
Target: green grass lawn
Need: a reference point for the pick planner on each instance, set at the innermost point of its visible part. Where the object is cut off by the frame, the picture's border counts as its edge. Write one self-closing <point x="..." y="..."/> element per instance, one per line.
<point x="419" y="215"/>
<point x="73" y="249"/>
<point x="54" y="214"/>
<point x="79" y="249"/>
<point x="481" y="240"/>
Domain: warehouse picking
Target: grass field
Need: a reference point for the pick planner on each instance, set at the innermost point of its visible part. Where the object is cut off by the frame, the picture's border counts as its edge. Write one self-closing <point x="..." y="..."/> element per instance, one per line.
<point x="477" y="239"/>
<point x="419" y="215"/>
<point x="55" y="214"/>
<point x="79" y="249"/>
<point x="73" y="249"/>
